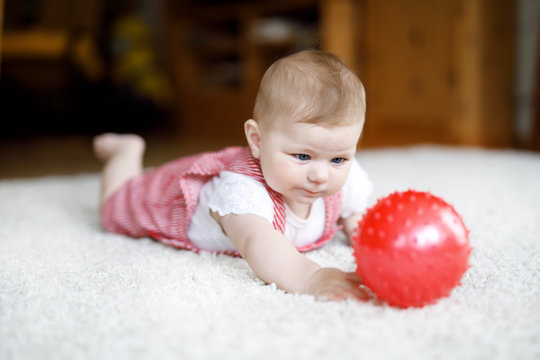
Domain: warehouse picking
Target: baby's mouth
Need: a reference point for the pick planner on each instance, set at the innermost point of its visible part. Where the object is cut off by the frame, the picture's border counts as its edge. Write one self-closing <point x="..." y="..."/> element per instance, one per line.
<point x="312" y="193"/>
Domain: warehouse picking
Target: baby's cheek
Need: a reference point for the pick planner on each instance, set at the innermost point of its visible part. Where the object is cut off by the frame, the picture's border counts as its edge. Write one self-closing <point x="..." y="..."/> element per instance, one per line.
<point x="279" y="181"/>
<point x="339" y="181"/>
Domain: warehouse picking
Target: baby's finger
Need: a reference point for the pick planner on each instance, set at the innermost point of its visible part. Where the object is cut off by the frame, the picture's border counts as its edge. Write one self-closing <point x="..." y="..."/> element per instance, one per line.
<point x="368" y="293"/>
<point x="362" y="292"/>
<point x="354" y="278"/>
<point x="340" y="292"/>
<point x="354" y="291"/>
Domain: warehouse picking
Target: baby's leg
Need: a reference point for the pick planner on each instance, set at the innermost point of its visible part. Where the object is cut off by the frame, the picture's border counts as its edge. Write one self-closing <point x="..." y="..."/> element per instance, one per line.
<point x="122" y="155"/>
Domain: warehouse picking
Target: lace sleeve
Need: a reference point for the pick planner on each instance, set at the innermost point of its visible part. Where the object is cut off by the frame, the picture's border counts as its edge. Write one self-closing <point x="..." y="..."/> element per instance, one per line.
<point x="240" y="194"/>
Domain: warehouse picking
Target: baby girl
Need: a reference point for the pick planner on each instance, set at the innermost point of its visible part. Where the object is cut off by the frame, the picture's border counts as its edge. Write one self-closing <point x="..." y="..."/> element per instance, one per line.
<point x="283" y="194"/>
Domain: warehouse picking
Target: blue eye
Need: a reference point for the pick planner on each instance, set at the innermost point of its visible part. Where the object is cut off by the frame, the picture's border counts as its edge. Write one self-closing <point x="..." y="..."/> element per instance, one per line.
<point x="338" y="160"/>
<point x="302" y="157"/>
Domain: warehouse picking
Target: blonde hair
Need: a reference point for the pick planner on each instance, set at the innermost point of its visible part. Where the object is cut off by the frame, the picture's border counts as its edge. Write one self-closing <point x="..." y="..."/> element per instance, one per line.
<point x="311" y="86"/>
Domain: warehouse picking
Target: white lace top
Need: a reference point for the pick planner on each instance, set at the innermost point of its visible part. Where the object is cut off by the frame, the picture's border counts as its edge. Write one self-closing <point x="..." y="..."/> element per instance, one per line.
<point x="232" y="193"/>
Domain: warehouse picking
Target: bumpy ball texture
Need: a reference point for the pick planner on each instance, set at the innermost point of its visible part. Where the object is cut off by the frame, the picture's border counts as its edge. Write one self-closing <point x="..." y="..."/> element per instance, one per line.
<point x="411" y="249"/>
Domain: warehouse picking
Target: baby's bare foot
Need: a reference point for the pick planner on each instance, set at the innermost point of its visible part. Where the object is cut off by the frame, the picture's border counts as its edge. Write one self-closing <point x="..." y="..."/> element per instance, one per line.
<point x="109" y="145"/>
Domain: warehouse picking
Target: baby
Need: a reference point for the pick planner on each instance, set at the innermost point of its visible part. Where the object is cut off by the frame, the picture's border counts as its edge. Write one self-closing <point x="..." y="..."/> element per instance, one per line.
<point x="282" y="195"/>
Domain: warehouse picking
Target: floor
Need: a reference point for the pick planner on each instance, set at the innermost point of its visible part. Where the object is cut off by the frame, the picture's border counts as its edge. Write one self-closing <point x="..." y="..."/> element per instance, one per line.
<point x="70" y="154"/>
<point x="40" y="155"/>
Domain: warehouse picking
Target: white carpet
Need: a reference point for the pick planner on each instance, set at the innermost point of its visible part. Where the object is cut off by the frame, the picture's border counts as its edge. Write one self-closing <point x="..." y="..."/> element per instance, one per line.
<point x="70" y="291"/>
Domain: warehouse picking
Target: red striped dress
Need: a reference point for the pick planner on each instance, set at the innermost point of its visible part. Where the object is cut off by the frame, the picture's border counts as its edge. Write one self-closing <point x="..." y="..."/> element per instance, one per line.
<point x="161" y="202"/>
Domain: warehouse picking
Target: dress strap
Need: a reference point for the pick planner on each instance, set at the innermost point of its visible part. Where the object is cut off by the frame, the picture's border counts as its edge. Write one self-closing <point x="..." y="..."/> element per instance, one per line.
<point x="249" y="166"/>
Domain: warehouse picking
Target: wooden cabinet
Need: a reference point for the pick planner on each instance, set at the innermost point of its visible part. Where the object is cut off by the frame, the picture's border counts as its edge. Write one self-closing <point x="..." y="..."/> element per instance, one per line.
<point x="434" y="71"/>
<point x="438" y="71"/>
<point x="219" y="52"/>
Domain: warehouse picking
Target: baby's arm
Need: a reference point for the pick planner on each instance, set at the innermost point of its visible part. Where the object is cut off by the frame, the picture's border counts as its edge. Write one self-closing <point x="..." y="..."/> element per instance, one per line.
<point x="356" y="192"/>
<point x="275" y="260"/>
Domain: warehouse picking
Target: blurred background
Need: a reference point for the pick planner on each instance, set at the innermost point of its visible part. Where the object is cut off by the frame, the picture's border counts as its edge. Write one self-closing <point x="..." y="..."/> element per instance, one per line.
<point x="184" y="73"/>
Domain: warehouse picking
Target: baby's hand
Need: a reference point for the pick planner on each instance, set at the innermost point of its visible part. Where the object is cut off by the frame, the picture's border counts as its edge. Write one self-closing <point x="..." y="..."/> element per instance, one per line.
<point x="350" y="224"/>
<point x="334" y="284"/>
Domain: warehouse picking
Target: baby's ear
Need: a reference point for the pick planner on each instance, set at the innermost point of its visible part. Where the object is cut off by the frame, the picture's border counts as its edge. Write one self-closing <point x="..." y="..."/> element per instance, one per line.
<point x="253" y="137"/>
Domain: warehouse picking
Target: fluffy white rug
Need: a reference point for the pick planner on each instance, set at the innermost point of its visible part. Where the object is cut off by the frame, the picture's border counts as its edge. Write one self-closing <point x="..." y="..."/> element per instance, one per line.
<point x="70" y="291"/>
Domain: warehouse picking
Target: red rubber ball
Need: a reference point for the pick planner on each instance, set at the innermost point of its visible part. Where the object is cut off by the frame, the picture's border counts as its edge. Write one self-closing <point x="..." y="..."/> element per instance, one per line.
<point x="411" y="249"/>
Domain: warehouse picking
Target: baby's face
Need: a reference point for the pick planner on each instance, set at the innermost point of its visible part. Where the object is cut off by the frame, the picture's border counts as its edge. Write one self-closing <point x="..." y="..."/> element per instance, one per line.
<point x="305" y="162"/>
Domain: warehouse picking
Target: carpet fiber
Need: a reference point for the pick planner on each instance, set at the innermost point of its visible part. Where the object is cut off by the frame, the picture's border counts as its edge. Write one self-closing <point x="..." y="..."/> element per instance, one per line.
<point x="70" y="291"/>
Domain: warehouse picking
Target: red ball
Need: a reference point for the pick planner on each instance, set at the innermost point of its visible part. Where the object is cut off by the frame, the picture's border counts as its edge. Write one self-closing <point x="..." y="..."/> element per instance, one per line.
<point x="411" y="249"/>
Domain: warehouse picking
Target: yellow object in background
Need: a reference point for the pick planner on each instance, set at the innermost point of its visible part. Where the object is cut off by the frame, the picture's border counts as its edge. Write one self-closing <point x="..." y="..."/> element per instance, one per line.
<point x="135" y="62"/>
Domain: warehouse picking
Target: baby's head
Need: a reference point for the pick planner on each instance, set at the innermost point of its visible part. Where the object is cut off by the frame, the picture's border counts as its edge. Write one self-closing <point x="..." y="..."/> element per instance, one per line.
<point x="308" y="116"/>
<point x="312" y="87"/>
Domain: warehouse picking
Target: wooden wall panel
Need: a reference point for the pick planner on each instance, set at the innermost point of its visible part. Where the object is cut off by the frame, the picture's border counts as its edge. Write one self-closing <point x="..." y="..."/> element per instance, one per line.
<point x="438" y="71"/>
<point x="434" y="71"/>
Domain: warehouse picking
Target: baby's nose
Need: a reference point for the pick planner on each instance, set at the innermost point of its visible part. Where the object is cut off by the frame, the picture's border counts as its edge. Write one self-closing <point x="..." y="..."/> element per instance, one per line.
<point x="318" y="173"/>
